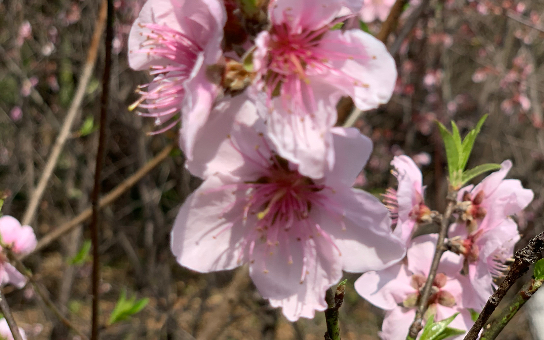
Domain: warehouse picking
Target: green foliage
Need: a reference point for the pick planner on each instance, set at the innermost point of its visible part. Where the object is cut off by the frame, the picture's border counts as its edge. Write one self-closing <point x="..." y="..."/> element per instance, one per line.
<point x="458" y="152"/>
<point x="539" y="270"/>
<point x="440" y="330"/>
<point x="364" y="27"/>
<point x="126" y="308"/>
<point x="337" y="26"/>
<point x="88" y="127"/>
<point x="473" y="314"/>
<point x="82" y="255"/>
<point x="9" y="90"/>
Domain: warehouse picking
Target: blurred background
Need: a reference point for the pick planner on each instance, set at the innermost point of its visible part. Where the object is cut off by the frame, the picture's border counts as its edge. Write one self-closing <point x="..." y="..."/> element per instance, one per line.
<point x="461" y="60"/>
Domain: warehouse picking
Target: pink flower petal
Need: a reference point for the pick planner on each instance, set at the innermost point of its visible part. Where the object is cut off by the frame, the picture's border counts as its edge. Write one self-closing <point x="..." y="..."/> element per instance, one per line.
<point x="202" y="239"/>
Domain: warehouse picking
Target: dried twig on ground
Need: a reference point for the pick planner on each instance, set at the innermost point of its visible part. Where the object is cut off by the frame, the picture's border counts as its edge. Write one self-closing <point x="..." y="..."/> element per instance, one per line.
<point x="70" y="117"/>
<point x="106" y="200"/>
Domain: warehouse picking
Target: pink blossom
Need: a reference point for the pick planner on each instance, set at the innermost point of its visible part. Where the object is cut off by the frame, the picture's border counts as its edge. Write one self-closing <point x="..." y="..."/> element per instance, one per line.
<point x="484" y="234"/>
<point x="25" y="32"/>
<point x="178" y="41"/>
<point x="397" y="289"/>
<point x="493" y="200"/>
<point x="376" y="9"/>
<point x="312" y="66"/>
<point x="21" y="240"/>
<point x="406" y="203"/>
<point x="296" y="233"/>
<point x="5" y="332"/>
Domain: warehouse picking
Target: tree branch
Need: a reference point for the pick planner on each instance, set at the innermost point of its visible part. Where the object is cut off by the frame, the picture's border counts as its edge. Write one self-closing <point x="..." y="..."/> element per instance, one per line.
<point x="334" y="300"/>
<point x="100" y="155"/>
<point x="440" y="249"/>
<point x="523" y="259"/>
<point x="9" y="317"/>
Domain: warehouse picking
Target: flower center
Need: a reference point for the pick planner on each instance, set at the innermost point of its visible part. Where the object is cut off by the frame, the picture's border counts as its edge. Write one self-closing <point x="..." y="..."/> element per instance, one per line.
<point x="438" y="294"/>
<point x="163" y="96"/>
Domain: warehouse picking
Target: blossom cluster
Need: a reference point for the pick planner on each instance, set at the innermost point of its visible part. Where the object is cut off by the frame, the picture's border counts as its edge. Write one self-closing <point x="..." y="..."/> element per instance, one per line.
<point x="481" y="240"/>
<point x="255" y="93"/>
<point x="254" y="89"/>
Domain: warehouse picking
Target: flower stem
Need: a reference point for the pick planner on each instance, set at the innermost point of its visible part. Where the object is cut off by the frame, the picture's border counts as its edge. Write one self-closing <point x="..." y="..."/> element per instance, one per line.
<point x="334" y="300"/>
<point x="523" y="259"/>
<point x="440" y="249"/>
<point x="494" y="327"/>
<point x="9" y="317"/>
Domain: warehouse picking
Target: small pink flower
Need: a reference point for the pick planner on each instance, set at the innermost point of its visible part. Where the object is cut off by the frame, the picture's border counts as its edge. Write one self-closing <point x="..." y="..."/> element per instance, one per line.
<point x="177" y="41"/>
<point x="5" y="332"/>
<point x="22" y="240"/>
<point x="25" y="32"/>
<point x="406" y="204"/>
<point x="397" y="289"/>
<point x="296" y="233"/>
<point x="376" y="9"/>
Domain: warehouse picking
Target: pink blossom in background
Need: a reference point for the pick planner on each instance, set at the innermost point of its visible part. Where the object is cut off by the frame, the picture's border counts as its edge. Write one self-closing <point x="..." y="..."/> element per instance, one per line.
<point x="296" y="233"/>
<point x="16" y="113"/>
<point x="5" y="332"/>
<point x="375" y="10"/>
<point x="22" y="240"/>
<point x="406" y="204"/>
<point x="28" y="85"/>
<point x="397" y="289"/>
<point x="178" y="41"/>
<point x="25" y="32"/>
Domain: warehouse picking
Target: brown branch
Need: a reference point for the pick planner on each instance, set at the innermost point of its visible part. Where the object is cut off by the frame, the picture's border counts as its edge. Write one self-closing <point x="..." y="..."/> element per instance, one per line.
<point x="45" y="297"/>
<point x="100" y="155"/>
<point x="408" y="26"/>
<point x="9" y="317"/>
<point x="392" y="20"/>
<point x="105" y="201"/>
<point x="70" y="117"/>
<point x="523" y="258"/>
<point x="440" y="249"/>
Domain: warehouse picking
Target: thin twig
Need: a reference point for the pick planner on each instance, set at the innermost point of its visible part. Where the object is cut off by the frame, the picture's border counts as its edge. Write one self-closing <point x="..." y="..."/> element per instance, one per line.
<point x="334" y="300"/>
<point x="440" y="249"/>
<point x="523" y="259"/>
<point x="512" y="15"/>
<point x="100" y="155"/>
<point x="70" y="117"/>
<point x="496" y="326"/>
<point x="408" y="26"/>
<point x="392" y="20"/>
<point x="45" y="297"/>
<point x="9" y="317"/>
<point x="105" y="201"/>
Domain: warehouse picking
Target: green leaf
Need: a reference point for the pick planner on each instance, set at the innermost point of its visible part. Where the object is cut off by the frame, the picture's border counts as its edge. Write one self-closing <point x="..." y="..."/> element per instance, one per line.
<point x="337" y="26"/>
<point x="364" y="27"/>
<point x="473" y="314"/>
<point x="126" y="308"/>
<point x="88" y="127"/>
<point x="480" y="169"/>
<point x="458" y="143"/>
<point x="439" y="330"/>
<point x="452" y="154"/>
<point x="539" y="270"/>
<point x="468" y="142"/>
<point x="82" y="255"/>
<point x="449" y="332"/>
